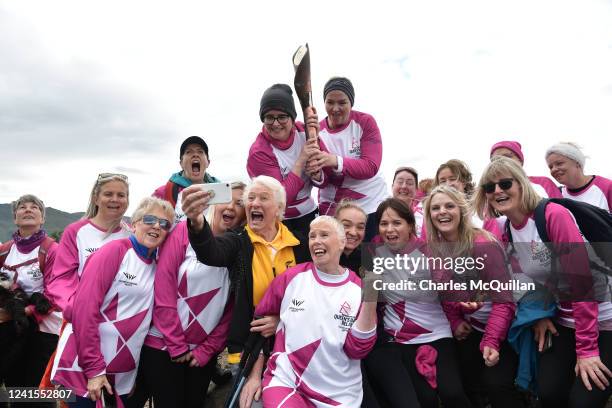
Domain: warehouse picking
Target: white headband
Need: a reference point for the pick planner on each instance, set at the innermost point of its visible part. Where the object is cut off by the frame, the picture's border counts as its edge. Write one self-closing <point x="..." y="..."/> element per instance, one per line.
<point x="568" y="150"/>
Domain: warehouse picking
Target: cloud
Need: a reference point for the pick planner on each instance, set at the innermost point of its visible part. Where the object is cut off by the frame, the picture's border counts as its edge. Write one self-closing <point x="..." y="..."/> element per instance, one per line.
<point x="130" y="170"/>
<point x="402" y="64"/>
<point x="55" y="110"/>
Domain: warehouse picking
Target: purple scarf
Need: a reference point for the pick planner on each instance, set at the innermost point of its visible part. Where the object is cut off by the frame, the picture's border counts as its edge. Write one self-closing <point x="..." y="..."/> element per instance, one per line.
<point x="27" y="245"/>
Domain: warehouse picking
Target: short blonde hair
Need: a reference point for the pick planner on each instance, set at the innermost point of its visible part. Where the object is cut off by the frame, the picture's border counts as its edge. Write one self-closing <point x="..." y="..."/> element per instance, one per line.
<point x="347" y="204"/>
<point x="272" y="184"/>
<point x="503" y="166"/>
<point x="148" y="203"/>
<point x="329" y="220"/>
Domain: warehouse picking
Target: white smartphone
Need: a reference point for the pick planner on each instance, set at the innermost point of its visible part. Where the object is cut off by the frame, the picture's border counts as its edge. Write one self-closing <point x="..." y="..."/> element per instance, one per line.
<point x="222" y="192"/>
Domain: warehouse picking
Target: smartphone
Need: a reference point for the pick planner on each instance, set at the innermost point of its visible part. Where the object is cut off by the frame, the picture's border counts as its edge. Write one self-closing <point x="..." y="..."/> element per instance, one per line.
<point x="108" y="401"/>
<point x="548" y="337"/>
<point x="222" y="192"/>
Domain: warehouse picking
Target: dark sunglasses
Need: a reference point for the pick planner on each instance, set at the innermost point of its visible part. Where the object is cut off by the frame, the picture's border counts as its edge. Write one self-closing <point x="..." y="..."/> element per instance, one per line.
<point x="504" y="184"/>
<point x="152" y="220"/>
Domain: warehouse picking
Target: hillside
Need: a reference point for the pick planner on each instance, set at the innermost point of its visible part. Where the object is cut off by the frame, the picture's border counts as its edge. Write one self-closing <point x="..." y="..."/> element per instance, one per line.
<point x="56" y="221"/>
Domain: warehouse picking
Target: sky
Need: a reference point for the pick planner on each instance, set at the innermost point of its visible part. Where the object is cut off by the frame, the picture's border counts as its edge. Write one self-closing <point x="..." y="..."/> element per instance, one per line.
<point x="115" y="86"/>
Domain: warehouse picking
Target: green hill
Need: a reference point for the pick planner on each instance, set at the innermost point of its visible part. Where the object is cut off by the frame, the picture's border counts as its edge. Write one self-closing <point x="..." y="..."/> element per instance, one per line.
<point x="56" y="221"/>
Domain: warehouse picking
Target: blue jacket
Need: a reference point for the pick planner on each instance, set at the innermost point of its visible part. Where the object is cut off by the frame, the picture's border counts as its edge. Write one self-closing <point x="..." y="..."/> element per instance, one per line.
<point x="531" y="308"/>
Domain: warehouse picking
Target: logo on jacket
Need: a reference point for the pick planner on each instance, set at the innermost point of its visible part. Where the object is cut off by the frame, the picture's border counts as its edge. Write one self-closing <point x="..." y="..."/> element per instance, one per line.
<point x="295" y="305"/>
<point x="129" y="279"/>
<point x="91" y="250"/>
<point x="355" y="149"/>
<point x="346" y="320"/>
<point x="129" y="276"/>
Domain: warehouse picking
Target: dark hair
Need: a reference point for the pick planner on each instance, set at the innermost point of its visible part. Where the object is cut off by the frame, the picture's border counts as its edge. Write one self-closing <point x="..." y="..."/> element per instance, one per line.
<point x="461" y="170"/>
<point x="399" y="207"/>
<point x="409" y="170"/>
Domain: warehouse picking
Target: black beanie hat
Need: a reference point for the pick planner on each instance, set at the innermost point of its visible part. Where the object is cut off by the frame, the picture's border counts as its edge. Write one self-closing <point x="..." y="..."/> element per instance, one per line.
<point x="278" y="97"/>
<point x="340" y="84"/>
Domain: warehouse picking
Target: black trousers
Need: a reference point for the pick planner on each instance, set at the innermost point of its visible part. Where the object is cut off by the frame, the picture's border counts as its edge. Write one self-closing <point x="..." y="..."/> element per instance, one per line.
<point x="170" y="384"/>
<point x="31" y="352"/>
<point x="558" y="385"/>
<point x="301" y="225"/>
<point x="497" y="382"/>
<point x="392" y="371"/>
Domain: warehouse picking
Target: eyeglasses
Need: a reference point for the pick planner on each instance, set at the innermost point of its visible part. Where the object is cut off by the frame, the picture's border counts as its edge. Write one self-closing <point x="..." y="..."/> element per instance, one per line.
<point x="282" y="119"/>
<point x="152" y="220"/>
<point x="504" y="184"/>
<point x="103" y="176"/>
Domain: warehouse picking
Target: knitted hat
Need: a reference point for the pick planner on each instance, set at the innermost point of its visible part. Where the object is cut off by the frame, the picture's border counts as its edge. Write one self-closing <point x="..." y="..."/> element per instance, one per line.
<point x="340" y="84"/>
<point x="569" y="150"/>
<point x="277" y="97"/>
<point x="513" y="146"/>
<point x="197" y="140"/>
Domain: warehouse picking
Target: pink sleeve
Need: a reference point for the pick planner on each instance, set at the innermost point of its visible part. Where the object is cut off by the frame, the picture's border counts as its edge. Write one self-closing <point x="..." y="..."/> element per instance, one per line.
<point x="562" y="229"/>
<point x="502" y="311"/>
<point x="64" y="278"/>
<point x="261" y="161"/>
<point x="548" y="185"/>
<point x="49" y="261"/>
<point x="160" y="192"/>
<point x="98" y="275"/>
<point x="165" y="314"/>
<point x="49" y="264"/>
<point x="450" y="299"/>
<point x="327" y="172"/>
<point x="366" y="166"/>
<point x="491" y="225"/>
<point x="453" y="313"/>
<point x="605" y="186"/>
<point x="498" y="323"/>
<point x="358" y="344"/>
<point x="215" y="341"/>
<point x="587" y="328"/>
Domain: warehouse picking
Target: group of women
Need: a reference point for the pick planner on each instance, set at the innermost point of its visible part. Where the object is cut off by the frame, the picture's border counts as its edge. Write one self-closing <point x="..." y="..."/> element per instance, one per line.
<point x="143" y="310"/>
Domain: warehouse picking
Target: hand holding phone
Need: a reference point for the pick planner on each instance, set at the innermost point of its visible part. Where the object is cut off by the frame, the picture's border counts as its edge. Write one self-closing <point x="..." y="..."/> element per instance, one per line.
<point x="221" y="193"/>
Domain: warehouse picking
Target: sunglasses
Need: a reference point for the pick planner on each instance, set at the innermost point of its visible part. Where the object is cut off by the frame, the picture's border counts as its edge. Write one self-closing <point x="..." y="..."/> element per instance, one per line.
<point x="152" y="220"/>
<point x="504" y="184"/>
<point x="103" y="176"/>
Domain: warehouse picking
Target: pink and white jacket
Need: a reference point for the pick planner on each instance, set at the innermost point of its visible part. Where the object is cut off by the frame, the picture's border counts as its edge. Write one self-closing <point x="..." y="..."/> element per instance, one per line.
<point x="411" y="316"/>
<point x="191" y="311"/>
<point x="79" y="240"/>
<point x="270" y="157"/>
<point x="494" y="317"/>
<point x="23" y="270"/>
<point x="598" y="193"/>
<point x="545" y="187"/>
<point x="532" y="262"/>
<point x="317" y="348"/>
<point x="109" y="326"/>
<point x="358" y="145"/>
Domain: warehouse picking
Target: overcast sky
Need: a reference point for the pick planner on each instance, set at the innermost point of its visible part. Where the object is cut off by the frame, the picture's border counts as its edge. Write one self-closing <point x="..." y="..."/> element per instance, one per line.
<point x="89" y="87"/>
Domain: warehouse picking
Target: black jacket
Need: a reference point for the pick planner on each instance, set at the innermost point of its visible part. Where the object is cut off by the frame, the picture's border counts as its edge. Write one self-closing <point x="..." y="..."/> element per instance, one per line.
<point x="234" y="250"/>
